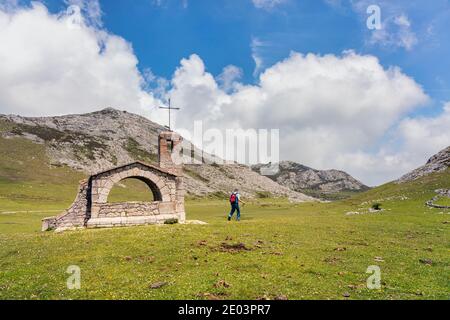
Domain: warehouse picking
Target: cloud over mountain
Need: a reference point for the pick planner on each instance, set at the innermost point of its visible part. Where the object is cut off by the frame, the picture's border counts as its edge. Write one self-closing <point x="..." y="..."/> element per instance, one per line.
<point x="342" y="111"/>
<point x="326" y="107"/>
<point x="60" y="63"/>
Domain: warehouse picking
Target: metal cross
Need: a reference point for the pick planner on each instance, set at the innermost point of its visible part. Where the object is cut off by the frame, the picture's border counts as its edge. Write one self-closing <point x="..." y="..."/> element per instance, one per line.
<point x="169" y="108"/>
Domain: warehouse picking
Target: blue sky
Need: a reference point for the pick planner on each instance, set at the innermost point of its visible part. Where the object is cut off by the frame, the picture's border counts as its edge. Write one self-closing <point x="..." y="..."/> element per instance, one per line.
<point x="221" y="32"/>
<point x="375" y="103"/>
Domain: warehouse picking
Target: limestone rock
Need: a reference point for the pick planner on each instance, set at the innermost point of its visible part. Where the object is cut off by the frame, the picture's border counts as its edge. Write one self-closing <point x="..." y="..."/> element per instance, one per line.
<point x="299" y="178"/>
<point x="437" y="163"/>
<point x="108" y="138"/>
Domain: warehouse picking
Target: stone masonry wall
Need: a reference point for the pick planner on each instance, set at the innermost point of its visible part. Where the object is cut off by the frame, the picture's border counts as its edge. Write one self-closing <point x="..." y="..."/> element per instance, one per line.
<point x="128" y="209"/>
<point x="169" y="143"/>
<point x="74" y="217"/>
<point x="91" y="209"/>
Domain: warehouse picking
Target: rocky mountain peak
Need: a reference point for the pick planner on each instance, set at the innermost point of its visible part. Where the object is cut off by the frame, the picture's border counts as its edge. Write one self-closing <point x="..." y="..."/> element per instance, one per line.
<point x="437" y="163"/>
<point x="320" y="183"/>
<point x="103" y="139"/>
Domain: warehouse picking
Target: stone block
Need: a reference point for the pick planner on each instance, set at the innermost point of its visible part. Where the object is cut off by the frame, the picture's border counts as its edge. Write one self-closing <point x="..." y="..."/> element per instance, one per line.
<point x="166" y="207"/>
<point x="161" y="184"/>
<point x="131" y="213"/>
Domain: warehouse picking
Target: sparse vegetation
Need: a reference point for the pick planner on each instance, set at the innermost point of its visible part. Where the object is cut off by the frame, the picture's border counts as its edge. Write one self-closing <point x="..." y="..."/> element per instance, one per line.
<point x="443" y="201"/>
<point x="226" y="173"/>
<point x="279" y="249"/>
<point x="114" y="159"/>
<point x="376" y="206"/>
<point x="45" y="133"/>
<point x="305" y="250"/>
<point x="263" y="194"/>
<point x="130" y="190"/>
<point x="5" y="125"/>
<point x="136" y="152"/>
<point x="171" y="221"/>
<point x="329" y="196"/>
<point x="218" y="195"/>
<point x="194" y="174"/>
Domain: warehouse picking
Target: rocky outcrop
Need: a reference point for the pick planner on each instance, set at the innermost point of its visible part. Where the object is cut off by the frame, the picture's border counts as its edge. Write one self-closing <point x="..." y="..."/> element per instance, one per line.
<point x="301" y="178"/>
<point x="91" y="142"/>
<point x="228" y="177"/>
<point x="437" y="163"/>
<point x="108" y="138"/>
<point x="440" y="193"/>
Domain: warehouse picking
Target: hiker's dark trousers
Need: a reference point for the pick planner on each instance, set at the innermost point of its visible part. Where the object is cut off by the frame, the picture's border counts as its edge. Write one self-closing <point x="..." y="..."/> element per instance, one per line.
<point x="235" y="207"/>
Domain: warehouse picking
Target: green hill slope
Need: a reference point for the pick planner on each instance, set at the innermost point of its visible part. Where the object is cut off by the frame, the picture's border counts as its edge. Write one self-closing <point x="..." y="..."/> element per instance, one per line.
<point x="28" y="182"/>
<point x="417" y="192"/>
<point x="100" y="140"/>
<point x="279" y="249"/>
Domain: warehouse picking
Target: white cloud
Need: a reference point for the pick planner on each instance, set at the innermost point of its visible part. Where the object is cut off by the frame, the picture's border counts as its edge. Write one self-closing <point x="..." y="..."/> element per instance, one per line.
<point x="325" y="106"/>
<point x="91" y="10"/>
<point x="229" y="76"/>
<point x="397" y="28"/>
<point x="197" y="92"/>
<point x="396" y="31"/>
<point x="57" y="63"/>
<point x="267" y="4"/>
<point x="424" y="135"/>
<point x="332" y="111"/>
<point x="257" y="47"/>
<point x="8" y="5"/>
<point x="402" y="20"/>
<point x="415" y="140"/>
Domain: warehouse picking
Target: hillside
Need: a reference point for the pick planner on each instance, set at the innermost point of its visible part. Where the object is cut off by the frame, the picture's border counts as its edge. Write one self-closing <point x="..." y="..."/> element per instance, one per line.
<point x="87" y="143"/>
<point x="328" y="184"/>
<point x="437" y="163"/>
<point x="308" y="250"/>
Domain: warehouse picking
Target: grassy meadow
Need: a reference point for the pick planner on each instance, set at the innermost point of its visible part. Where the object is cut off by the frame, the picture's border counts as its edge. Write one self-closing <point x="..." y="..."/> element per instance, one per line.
<point x="279" y="249"/>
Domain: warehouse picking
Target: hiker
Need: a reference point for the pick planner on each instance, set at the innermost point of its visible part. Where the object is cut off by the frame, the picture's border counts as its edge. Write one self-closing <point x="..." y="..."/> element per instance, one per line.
<point x="235" y="198"/>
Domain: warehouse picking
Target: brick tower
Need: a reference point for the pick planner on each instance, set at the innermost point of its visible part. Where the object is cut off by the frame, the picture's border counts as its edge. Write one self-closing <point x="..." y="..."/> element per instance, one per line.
<point x="169" y="152"/>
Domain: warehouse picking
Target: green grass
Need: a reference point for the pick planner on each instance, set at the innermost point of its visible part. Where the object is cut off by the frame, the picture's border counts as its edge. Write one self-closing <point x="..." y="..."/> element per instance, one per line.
<point x="310" y="250"/>
<point x="330" y="196"/>
<point x="195" y="175"/>
<point x="29" y="182"/>
<point x="133" y="148"/>
<point x="302" y="251"/>
<point x="443" y="201"/>
<point x="130" y="190"/>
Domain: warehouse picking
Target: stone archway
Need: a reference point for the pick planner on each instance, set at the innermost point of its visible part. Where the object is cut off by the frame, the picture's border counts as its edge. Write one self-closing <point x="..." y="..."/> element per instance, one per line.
<point x="163" y="184"/>
<point x="91" y="208"/>
<point x="151" y="188"/>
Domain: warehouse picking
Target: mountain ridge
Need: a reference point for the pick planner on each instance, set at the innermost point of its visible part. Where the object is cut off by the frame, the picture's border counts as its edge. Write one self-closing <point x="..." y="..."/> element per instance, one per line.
<point x="99" y="140"/>
<point x="328" y="184"/>
<point x="437" y="163"/>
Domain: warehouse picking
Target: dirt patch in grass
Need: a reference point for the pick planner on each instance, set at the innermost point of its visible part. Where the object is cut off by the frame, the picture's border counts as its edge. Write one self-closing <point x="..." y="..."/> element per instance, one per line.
<point x="332" y="260"/>
<point x="233" y="248"/>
